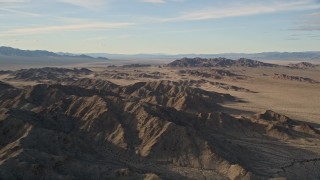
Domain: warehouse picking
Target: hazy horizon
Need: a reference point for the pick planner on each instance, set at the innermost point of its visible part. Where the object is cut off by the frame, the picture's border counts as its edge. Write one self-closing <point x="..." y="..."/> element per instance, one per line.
<point x="156" y="53"/>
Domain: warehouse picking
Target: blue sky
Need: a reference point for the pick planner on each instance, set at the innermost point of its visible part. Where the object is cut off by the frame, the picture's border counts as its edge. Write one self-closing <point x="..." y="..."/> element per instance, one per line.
<point x="161" y="26"/>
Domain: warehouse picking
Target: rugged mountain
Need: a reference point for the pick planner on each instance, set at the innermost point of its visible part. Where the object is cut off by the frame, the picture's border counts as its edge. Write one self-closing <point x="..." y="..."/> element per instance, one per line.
<point x="197" y="62"/>
<point x="48" y="73"/>
<point x="133" y="75"/>
<point x="302" y="65"/>
<point x="252" y="63"/>
<point x="5" y="86"/>
<point x="218" y="62"/>
<point x="91" y="129"/>
<point x="5" y="72"/>
<point x="97" y="84"/>
<point x="114" y="75"/>
<point x="203" y="82"/>
<point x="171" y="94"/>
<point x="212" y="73"/>
<point x="9" y="51"/>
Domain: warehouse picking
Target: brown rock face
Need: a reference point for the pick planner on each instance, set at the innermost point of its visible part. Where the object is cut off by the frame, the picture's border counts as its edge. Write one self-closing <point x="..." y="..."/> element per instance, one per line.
<point x="94" y="129"/>
<point x="5" y="86"/>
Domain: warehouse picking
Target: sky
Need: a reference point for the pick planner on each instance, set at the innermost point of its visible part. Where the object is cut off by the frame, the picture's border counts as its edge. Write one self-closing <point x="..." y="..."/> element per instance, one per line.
<point x="161" y="26"/>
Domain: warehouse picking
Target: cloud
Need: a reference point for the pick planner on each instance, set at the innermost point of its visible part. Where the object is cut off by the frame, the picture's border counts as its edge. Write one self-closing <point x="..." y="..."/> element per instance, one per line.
<point x="313" y="26"/>
<point x="16" y="7"/>
<point x="310" y="22"/>
<point x="292" y="39"/>
<point x="11" y="1"/>
<point x="97" y="38"/>
<point x="19" y="12"/>
<point x="154" y="1"/>
<point x="316" y="15"/>
<point x="236" y="10"/>
<point x="90" y="4"/>
<point x="162" y="1"/>
<point x="73" y="27"/>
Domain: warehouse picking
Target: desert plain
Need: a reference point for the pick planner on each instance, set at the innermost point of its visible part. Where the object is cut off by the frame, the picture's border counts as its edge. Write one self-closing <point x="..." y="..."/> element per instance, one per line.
<point x="191" y="118"/>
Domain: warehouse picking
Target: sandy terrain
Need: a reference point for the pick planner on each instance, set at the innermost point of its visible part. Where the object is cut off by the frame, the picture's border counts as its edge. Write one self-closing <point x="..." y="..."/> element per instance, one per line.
<point x="160" y="122"/>
<point x="299" y="100"/>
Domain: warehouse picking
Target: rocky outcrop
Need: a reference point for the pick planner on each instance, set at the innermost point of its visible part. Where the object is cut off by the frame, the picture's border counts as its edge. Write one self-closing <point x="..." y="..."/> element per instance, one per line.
<point x="49" y="73"/>
<point x="94" y="129"/>
<point x="212" y="73"/>
<point x="218" y="62"/>
<point x="5" y="86"/>
<point x="294" y="78"/>
<point x="97" y="84"/>
<point x="302" y="65"/>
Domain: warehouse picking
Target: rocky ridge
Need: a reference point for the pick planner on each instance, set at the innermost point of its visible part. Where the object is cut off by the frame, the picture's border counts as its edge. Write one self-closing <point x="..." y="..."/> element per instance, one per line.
<point x="218" y="62"/>
<point x="161" y="129"/>
<point x="302" y="65"/>
<point x="294" y="78"/>
<point x="48" y="74"/>
<point x="212" y="73"/>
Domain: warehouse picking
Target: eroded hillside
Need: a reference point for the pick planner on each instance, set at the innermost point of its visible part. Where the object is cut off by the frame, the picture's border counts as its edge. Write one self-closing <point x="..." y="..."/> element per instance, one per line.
<point x="92" y="128"/>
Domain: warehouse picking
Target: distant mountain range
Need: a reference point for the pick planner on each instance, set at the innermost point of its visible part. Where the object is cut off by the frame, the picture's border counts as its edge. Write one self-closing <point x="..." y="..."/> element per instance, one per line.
<point x="302" y="56"/>
<point x="9" y="51"/>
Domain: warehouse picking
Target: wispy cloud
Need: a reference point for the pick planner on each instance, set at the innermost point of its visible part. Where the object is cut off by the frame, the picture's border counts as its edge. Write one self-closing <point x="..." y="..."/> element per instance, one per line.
<point x="11" y="1"/>
<point x="309" y="26"/>
<point x="19" y="12"/>
<point x="310" y="22"/>
<point x="300" y="36"/>
<point x="73" y="27"/>
<point x="97" y="38"/>
<point x="15" y="7"/>
<point x="90" y="4"/>
<point x="316" y="15"/>
<point x="154" y="1"/>
<point x="236" y="10"/>
<point x="163" y="1"/>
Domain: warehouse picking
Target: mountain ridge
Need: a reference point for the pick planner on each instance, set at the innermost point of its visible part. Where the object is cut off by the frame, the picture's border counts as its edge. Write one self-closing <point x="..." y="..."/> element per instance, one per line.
<point x="218" y="62"/>
<point x="303" y="55"/>
<point x="9" y="51"/>
<point x="90" y="128"/>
